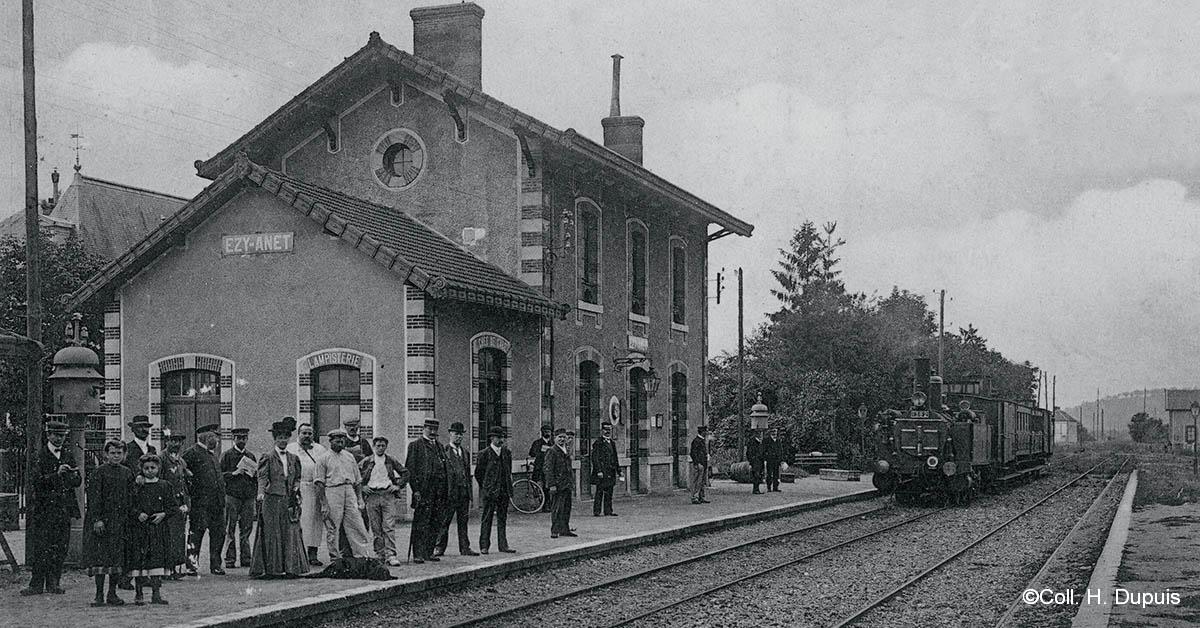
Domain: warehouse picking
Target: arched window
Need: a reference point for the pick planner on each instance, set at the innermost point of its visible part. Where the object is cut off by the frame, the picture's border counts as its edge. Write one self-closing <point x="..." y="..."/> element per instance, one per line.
<point x="336" y="396"/>
<point x="491" y="391"/>
<point x="589" y="252"/>
<point x="678" y="283"/>
<point x="191" y="398"/>
<point x="589" y="404"/>
<point x="638" y="239"/>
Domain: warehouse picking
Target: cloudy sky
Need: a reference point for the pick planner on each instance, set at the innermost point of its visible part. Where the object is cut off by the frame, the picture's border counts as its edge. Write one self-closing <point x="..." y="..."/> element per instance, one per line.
<point x="1037" y="161"/>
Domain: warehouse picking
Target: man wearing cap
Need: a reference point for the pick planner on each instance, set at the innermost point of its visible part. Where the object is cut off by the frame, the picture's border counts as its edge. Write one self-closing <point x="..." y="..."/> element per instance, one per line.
<point x="699" y="455"/>
<point x="458" y="493"/>
<point x="537" y="452"/>
<point x="240" y="489"/>
<point x="312" y="522"/>
<point x="493" y="471"/>
<point x="139" y="445"/>
<point x="772" y="456"/>
<point x="426" y="464"/>
<point x="357" y="446"/>
<point x="207" y="489"/>
<point x="560" y="483"/>
<point x="382" y="478"/>
<point x="339" y="496"/>
<point x="51" y="508"/>
<point x="604" y="471"/>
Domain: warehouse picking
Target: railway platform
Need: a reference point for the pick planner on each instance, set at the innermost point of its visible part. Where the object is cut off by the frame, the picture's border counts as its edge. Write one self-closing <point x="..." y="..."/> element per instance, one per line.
<point x="237" y="600"/>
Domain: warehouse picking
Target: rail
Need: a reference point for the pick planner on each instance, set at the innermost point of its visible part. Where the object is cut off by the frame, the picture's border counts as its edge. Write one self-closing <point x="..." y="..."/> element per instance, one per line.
<point x="542" y="601"/>
<point x="879" y="601"/>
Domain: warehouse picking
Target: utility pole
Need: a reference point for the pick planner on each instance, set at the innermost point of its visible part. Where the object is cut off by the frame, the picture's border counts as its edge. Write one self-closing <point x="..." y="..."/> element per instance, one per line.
<point x="941" y="334"/>
<point x="33" y="283"/>
<point x="741" y="374"/>
<point x="1101" y="421"/>
<point x="1054" y="394"/>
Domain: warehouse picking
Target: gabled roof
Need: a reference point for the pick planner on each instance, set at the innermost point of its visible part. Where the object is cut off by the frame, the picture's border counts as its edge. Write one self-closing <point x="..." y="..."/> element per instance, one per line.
<point x="1063" y="415"/>
<point x="417" y="254"/>
<point x="1181" y="398"/>
<point x="379" y="58"/>
<point x="109" y="217"/>
<point x="112" y="217"/>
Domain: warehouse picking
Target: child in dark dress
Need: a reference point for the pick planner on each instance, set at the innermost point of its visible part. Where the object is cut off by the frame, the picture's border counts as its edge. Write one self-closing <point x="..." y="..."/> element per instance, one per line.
<point x="109" y="490"/>
<point x="151" y="537"/>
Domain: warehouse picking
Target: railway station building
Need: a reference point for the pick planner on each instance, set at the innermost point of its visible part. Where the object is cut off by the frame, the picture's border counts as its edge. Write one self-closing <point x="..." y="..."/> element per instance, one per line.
<point x="393" y="245"/>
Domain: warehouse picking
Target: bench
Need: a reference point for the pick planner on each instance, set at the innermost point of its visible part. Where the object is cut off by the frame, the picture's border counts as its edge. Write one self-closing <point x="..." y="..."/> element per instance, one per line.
<point x="813" y="462"/>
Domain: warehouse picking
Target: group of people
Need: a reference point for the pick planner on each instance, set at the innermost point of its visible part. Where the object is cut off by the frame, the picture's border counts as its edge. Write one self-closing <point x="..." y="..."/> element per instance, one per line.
<point x="149" y="513"/>
<point x="765" y="454"/>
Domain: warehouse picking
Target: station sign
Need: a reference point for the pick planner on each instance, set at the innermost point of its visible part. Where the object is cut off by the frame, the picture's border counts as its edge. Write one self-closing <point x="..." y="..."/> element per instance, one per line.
<point x="257" y="243"/>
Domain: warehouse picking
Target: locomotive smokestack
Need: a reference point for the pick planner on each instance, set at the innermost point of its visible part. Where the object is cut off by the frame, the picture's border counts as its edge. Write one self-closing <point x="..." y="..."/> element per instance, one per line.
<point x="920" y="375"/>
<point x="935" y="393"/>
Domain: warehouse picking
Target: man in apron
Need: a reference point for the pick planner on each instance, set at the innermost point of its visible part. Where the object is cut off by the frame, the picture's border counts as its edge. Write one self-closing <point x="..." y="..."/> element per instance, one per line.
<point x="312" y="523"/>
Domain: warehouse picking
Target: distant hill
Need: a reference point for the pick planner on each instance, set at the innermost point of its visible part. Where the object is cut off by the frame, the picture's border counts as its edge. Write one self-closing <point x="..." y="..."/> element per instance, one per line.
<point x="1119" y="408"/>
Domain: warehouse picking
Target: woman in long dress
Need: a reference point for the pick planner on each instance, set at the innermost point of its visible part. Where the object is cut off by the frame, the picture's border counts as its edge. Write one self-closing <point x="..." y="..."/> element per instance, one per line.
<point x="279" y="545"/>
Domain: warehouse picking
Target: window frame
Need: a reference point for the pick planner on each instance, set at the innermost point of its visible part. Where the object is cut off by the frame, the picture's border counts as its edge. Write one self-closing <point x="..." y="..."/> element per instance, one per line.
<point x="632" y="225"/>
<point x="678" y="283"/>
<point x="587" y="209"/>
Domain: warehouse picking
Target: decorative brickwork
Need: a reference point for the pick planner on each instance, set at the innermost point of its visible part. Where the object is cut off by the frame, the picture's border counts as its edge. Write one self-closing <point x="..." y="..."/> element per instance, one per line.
<point x="223" y="366"/>
<point x="420" y="379"/>
<point x="365" y="364"/>
<point x="111" y="402"/>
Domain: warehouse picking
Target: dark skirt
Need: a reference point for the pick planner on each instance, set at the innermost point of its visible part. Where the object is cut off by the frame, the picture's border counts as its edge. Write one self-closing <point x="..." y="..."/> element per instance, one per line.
<point x="149" y="543"/>
<point x="279" y="545"/>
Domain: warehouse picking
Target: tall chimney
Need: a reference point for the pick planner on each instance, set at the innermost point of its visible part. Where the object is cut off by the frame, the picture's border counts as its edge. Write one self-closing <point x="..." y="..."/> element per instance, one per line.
<point x="450" y="36"/>
<point x="622" y="134"/>
<point x="54" y="180"/>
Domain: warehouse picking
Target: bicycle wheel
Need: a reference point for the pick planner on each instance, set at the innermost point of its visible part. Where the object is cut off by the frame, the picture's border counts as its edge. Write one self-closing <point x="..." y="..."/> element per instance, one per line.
<point x="527" y="496"/>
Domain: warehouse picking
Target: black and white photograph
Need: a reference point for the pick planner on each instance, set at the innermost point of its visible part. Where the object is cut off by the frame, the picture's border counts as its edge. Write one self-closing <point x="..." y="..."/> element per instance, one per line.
<point x="692" y="313"/>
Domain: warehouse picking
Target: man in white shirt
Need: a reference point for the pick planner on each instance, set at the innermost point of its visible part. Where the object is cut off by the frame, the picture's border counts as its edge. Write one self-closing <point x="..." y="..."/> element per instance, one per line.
<point x="382" y="476"/>
<point x="312" y="524"/>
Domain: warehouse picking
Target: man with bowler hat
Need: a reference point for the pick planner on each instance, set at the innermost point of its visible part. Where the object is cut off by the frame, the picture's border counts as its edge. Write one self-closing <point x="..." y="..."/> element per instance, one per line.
<point x="755" y="452"/>
<point x="458" y="493"/>
<point x="426" y="464"/>
<point x="604" y="471"/>
<point x="207" y="489"/>
<point x="493" y="471"/>
<point x="139" y="445"/>
<point x="51" y="508"/>
<point x="560" y="483"/>
<point x="537" y="453"/>
<point x="699" y="455"/>
<point x="772" y="456"/>
<point x="241" y="486"/>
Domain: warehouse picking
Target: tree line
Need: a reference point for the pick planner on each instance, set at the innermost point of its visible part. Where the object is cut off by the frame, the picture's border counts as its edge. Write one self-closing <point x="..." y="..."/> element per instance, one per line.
<point x="827" y="351"/>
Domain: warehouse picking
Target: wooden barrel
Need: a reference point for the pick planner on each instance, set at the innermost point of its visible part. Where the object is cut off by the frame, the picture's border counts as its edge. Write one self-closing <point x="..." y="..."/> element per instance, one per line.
<point x="740" y="472"/>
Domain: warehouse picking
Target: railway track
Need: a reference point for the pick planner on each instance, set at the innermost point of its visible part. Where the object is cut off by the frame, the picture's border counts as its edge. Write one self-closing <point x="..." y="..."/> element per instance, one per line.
<point x="895" y="591"/>
<point x="1007" y="619"/>
<point x="536" y="603"/>
<point x="532" y="605"/>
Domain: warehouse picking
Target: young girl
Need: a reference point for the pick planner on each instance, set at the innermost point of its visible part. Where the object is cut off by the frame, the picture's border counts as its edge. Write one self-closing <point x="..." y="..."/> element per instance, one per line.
<point x="109" y="490"/>
<point x="175" y="472"/>
<point x="151" y="537"/>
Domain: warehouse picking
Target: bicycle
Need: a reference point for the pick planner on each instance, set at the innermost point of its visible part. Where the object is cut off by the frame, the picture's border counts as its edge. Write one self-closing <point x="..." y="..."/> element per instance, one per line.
<point x="527" y="495"/>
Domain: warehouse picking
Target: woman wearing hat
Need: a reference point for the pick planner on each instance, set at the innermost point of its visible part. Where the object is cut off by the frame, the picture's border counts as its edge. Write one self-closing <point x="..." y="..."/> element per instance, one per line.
<point x="279" y="545"/>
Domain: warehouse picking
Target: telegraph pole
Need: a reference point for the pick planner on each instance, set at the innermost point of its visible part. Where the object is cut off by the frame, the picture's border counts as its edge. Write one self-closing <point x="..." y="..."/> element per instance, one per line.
<point x="941" y="333"/>
<point x="1054" y="394"/>
<point x="33" y="283"/>
<point x="741" y="373"/>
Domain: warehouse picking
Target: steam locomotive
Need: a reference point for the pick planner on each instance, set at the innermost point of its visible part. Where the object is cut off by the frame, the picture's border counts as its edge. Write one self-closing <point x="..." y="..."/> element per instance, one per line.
<point x="930" y="450"/>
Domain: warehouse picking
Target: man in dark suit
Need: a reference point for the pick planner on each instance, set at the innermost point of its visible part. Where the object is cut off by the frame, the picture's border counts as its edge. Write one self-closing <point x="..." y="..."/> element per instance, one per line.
<point x="493" y="471"/>
<point x="426" y="463"/>
<point x="604" y="471"/>
<point x="139" y="445"/>
<point x="458" y="487"/>
<point x="772" y="456"/>
<point x="537" y="453"/>
<point x="754" y="454"/>
<point x="699" y="455"/>
<point x="207" y="488"/>
<point x="560" y="483"/>
<point x="241" y="486"/>
<point x="51" y="508"/>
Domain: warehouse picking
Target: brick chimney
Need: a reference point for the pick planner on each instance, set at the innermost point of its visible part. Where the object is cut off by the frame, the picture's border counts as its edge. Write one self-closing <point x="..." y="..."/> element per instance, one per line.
<point x="622" y="134"/>
<point x="450" y="36"/>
